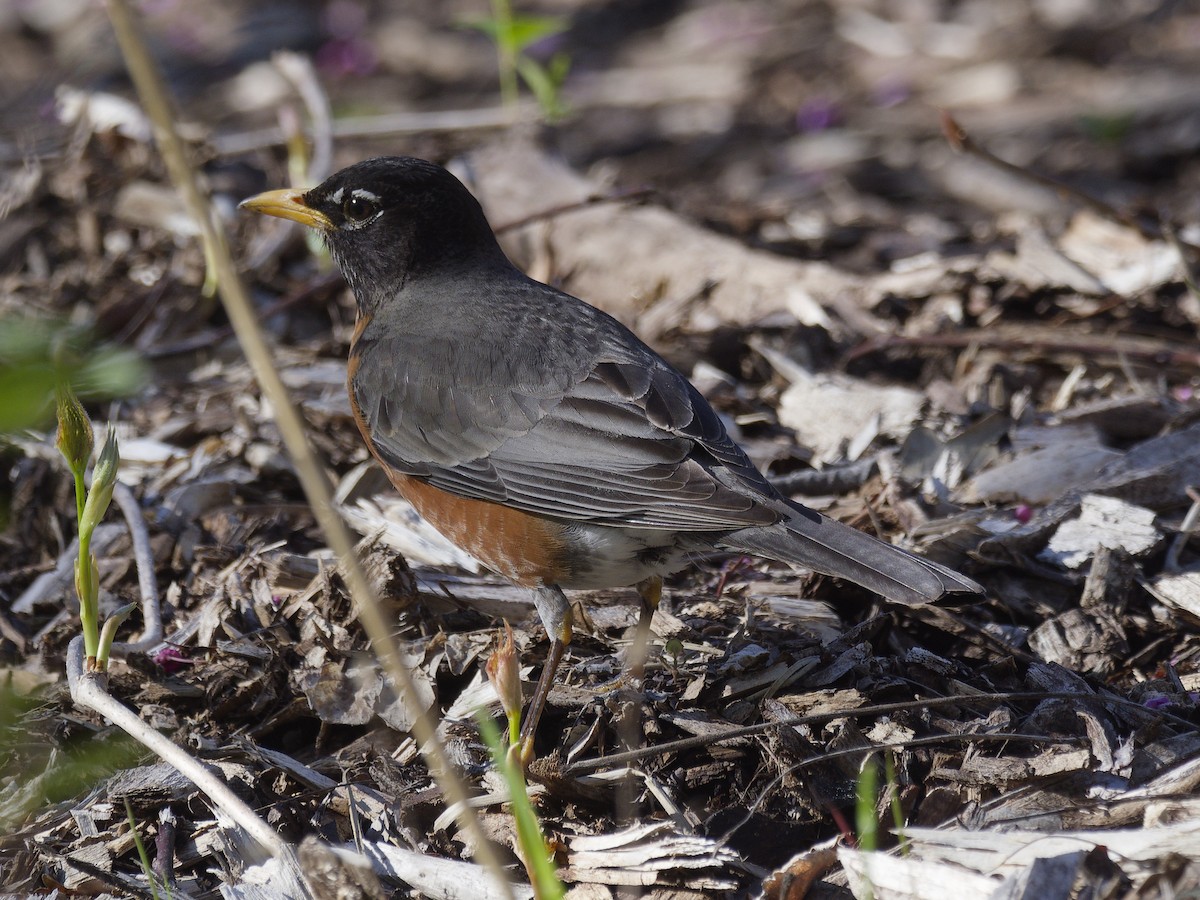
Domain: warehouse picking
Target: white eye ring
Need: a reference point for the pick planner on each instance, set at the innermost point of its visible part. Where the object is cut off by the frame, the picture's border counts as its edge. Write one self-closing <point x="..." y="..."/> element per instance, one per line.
<point x="361" y="208"/>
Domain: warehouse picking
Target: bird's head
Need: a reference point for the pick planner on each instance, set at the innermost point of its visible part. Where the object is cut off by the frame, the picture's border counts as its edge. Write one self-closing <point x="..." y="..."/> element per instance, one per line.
<point x="389" y="221"/>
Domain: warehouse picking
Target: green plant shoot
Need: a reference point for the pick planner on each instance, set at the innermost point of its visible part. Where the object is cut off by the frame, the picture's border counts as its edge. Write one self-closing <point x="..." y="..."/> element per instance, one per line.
<point x="866" y="795"/>
<point x="512" y="35"/>
<point x="504" y="672"/>
<point x="889" y="763"/>
<point x="76" y="440"/>
<point x="143" y="856"/>
<point x="535" y="852"/>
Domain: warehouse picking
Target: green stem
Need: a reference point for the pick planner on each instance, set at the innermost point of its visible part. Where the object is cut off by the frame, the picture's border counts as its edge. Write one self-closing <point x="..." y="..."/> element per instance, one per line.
<point x="89" y="614"/>
<point x="897" y="811"/>
<point x="109" y="632"/>
<point x="535" y="853"/>
<point x="80" y="491"/>
<point x="143" y="856"/>
<point x="867" y="795"/>
<point x="506" y="52"/>
<point x="514" y="728"/>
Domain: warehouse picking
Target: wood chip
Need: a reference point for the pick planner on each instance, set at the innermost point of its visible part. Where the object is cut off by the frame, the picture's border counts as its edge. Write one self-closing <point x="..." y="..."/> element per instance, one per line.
<point x="1103" y="522"/>
<point x="651" y="854"/>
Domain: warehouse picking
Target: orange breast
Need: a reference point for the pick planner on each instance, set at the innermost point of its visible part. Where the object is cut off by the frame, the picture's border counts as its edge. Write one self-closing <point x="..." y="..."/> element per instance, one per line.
<point x="525" y="549"/>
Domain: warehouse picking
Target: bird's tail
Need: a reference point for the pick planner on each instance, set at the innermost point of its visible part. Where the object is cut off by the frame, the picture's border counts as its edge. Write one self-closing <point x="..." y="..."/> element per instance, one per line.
<point x="809" y="539"/>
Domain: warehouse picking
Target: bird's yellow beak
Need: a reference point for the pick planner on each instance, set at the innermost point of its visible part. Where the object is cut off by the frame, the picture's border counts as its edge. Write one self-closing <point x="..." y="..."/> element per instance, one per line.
<point x="288" y="204"/>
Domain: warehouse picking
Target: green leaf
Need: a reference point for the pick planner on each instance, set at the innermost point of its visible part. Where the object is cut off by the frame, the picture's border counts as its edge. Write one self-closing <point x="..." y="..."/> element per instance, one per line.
<point x="109" y="632"/>
<point x="544" y="84"/>
<point x="521" y="31"/>
<point x="110" y="372"/>
<point x="104" y="478"/>
<point x="37" y="356"/>
<point x="528" y="30"/>
<point x="1107" y="129"/>
<point x="26" y="396"/>
<point x="897" y="812"/>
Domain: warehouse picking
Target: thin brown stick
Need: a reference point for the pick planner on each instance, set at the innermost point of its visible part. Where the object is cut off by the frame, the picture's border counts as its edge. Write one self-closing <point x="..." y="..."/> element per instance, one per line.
<point x="143" y="555"/>
<point x="213" y="336"/>
<point x="620" y="759"/>
<point x="1148" y="227"/>
<point x="313" y="479"/>
<point x="627" y="195"/>
<point x="1150" y="351"/>
<point x="971" y="737"/>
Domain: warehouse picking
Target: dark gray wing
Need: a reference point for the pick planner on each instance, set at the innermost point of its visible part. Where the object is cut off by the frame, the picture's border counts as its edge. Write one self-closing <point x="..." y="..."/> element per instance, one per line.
<point x="625" y="440"/>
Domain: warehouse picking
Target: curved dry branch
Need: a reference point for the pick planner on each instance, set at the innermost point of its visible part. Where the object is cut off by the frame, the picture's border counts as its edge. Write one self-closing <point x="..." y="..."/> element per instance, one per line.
<point x="89" y="689"/>
<point x="143" y="555"/>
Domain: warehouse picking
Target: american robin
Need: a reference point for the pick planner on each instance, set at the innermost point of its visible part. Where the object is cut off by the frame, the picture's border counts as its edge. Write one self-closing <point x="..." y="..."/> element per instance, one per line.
<point x="537" y="432"/>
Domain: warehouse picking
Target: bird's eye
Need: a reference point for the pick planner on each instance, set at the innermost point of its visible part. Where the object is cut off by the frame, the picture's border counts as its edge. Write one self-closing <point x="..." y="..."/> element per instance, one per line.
<point x="358" y="209"/>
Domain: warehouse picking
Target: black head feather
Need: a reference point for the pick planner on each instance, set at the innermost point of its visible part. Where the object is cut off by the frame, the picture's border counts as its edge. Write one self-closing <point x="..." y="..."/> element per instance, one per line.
<point x="394" y="220"/>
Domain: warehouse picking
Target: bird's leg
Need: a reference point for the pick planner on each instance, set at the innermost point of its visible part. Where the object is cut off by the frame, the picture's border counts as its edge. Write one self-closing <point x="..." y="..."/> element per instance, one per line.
<point x="629" y="722"/>
<point x="555" y="613"/>
<point x="650" y="591"/>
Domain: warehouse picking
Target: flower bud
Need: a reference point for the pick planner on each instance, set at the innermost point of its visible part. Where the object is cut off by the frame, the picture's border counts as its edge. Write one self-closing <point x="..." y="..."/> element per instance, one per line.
<point x="104" y="477"/>
<point x="504" y="673"/>
<point x="75" y="440"/>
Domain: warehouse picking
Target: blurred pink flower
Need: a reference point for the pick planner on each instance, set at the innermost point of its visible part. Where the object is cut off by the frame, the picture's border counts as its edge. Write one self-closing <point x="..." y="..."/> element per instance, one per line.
<point x="817" y="114"/>
<point x="170" y="659"/>
<point x="341" y="57"/>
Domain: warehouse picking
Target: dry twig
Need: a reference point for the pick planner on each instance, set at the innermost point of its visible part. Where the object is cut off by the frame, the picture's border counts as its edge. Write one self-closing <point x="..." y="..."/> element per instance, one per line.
<point x="312" y="478"/>
<point x="957" y="137"/>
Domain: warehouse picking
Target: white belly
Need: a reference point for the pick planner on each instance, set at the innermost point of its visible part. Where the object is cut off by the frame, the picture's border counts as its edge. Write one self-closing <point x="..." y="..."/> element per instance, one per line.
<point x="607" y="557"/>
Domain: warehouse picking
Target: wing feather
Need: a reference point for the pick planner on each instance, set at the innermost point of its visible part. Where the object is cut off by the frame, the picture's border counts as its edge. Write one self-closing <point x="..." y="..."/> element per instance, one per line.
<point x="624" y="439"/>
